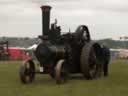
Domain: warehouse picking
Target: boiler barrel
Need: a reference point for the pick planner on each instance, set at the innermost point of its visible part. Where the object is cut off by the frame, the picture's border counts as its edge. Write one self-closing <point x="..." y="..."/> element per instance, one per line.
<point x="47" y="53"/>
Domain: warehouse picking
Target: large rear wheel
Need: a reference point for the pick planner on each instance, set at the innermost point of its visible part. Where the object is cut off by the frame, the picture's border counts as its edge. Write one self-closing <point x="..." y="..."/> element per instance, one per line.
<point x="91" y="64"/>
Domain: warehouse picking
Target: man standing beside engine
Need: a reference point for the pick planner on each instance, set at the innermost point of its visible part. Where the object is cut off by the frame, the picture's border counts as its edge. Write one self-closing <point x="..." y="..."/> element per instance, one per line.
<point x="106" y="59"/>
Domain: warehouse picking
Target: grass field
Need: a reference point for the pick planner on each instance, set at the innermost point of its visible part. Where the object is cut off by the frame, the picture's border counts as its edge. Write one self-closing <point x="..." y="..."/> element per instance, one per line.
<point x="114" y="85"/>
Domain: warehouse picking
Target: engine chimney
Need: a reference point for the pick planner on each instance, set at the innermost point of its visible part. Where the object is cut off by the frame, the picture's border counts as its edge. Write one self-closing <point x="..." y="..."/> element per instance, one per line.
<point x="45" y="19"/>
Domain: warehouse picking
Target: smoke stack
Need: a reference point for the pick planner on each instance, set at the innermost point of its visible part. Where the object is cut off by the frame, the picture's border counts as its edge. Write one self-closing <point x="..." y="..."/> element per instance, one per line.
<point x="45" y="19"/>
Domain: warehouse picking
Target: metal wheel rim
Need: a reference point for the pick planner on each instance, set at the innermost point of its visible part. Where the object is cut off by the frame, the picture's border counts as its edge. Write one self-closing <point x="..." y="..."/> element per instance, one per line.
<point x="59" y="72"/>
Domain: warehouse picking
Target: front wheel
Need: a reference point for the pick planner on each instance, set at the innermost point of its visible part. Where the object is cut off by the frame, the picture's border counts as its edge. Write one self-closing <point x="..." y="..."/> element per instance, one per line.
<point x="60" y="72"/>
<point x="27" y="71"/>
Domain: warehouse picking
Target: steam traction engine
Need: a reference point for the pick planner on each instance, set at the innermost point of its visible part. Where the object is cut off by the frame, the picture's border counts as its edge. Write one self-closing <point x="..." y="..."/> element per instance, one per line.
<point x="61" y="55"/>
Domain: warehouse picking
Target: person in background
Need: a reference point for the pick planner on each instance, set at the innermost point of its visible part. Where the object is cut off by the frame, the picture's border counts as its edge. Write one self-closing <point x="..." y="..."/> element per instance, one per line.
<point x="106" y="59"/>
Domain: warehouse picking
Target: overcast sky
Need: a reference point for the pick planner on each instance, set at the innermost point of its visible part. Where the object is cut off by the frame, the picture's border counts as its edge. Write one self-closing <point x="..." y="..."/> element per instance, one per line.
<point x="105" y="18"/>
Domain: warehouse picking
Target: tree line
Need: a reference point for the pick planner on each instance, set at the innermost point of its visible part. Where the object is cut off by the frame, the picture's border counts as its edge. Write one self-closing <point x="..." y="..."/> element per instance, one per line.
<point x="26" y="42"/>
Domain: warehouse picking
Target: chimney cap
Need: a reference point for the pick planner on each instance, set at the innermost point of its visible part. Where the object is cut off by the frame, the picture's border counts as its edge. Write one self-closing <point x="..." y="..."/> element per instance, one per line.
<point x="45" y="7"/>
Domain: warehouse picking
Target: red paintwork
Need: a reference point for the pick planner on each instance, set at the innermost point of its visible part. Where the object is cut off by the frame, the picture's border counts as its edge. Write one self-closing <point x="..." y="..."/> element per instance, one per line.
<point x="17" y="54"/>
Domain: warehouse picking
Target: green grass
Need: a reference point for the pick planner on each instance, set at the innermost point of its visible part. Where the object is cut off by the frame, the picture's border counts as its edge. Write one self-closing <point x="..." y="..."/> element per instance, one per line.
<point x="114" y="85"/>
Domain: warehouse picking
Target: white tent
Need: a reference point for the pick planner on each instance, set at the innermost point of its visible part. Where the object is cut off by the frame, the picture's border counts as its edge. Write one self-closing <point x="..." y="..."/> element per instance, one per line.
<point x="33" y="47"/>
